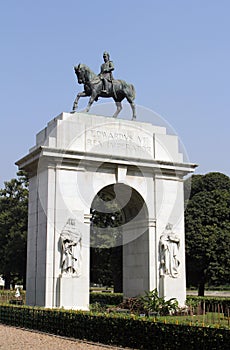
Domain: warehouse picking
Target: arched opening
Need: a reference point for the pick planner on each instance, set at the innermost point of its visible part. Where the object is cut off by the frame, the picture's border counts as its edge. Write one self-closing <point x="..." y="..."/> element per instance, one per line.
<point x="119" y="254"/>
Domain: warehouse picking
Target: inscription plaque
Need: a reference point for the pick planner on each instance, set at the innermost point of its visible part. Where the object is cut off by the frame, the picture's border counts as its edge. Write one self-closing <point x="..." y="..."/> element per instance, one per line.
<point x="128" y="142"/>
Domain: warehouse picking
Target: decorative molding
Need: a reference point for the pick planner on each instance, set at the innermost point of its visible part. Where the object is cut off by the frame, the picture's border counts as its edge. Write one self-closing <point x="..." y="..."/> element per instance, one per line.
<point x="172" y="169"/>
<point x="87" y="218"/>
<point x="121" y="173"/>
<point x="151" y="222"/>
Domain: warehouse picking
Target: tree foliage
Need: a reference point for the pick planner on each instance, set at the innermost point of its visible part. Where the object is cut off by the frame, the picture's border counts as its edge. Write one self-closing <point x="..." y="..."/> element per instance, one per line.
<point x="106" y="242"/>
<point x="13" y="229"/>
<point x="207" y="230"/>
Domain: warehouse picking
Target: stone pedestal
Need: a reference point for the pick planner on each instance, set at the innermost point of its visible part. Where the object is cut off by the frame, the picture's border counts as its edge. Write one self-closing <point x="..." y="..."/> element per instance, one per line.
<point x="76" y="156"/>
<point x="73" y="293"/>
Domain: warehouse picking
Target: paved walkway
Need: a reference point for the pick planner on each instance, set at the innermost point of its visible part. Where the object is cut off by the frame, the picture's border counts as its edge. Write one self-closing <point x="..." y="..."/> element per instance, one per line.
<point x="12" y="338"/>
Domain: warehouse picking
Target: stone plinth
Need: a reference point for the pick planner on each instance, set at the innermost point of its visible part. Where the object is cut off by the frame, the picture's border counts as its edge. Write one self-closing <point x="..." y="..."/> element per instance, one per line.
<point x="73" y="293"/>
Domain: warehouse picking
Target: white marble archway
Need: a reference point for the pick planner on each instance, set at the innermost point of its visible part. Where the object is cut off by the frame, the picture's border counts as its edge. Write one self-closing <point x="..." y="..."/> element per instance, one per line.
<point x="76" y="156"/>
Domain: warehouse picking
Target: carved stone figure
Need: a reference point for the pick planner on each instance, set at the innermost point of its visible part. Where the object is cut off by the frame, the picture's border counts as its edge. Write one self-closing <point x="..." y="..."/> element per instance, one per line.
<point x="71" y="248"/>
<point x="169" y="246"/>
<point x="103" y="85"/>
<point x="106" y="72"/>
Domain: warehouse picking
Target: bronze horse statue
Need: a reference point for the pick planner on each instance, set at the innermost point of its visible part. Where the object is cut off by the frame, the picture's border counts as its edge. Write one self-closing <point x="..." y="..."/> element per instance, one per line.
<point x="93" y="86"/>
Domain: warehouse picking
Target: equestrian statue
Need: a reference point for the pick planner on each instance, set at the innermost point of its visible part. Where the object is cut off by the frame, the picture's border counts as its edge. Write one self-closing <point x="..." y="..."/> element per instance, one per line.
<point x="103" y="85"/>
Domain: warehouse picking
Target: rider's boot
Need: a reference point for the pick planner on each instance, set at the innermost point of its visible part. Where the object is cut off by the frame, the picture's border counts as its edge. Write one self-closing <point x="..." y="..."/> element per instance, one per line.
<point x="104" y="87"/>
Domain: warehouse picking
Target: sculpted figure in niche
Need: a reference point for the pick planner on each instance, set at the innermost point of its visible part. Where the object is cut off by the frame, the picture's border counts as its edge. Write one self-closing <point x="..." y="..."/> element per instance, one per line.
<point x="71" y="248"/>
<point x="169" y="246"/>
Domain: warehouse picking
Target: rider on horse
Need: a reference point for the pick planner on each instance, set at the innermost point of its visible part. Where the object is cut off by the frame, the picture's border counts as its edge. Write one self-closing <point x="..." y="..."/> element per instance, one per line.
<point x="117" y="89"/>
<point x="106" y="72"/>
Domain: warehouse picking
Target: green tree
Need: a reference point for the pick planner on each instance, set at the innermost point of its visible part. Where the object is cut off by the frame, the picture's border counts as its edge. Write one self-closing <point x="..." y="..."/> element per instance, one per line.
<point x="207" y="231"/>
<point x="13" y="229"/>
<point x="106" y="242"/>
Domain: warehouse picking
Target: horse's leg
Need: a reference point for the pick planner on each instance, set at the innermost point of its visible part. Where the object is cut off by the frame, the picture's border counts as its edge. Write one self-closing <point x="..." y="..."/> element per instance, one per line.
<point x="119" y="108"/>
<point x="91" y="101"/>
<point x="132" y="104"/>
<point x="75" y="104"/>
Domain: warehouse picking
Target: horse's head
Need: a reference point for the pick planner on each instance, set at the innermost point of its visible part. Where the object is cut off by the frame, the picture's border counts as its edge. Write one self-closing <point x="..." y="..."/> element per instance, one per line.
<point x="80" y="73"/>
<point x="84" y="74"/>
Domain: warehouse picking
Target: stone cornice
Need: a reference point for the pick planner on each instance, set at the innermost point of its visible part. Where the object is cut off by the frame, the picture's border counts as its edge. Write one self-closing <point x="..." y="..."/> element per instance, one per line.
<point x="73" y="157"/>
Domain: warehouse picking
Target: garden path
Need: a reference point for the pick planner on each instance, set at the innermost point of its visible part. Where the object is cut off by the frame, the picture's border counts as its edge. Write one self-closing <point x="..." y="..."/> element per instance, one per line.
<point x="12" y="338"/>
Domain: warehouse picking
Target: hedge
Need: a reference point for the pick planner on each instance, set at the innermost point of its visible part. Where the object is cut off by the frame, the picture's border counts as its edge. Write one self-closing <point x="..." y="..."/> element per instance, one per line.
<point x="134" y="332"/>
<point x="117" y="298"/>
<point x="102" y="298"/>
<point x="7" y="295"/>
<point x="106" y="298"/>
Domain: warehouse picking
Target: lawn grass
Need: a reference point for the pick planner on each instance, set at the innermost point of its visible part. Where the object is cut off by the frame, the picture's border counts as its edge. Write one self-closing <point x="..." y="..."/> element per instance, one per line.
<point x="210" y="319"/>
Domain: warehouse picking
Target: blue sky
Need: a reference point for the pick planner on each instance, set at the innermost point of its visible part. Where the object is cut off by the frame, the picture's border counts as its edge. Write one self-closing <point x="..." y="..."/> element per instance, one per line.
<point x="175" y="52"/>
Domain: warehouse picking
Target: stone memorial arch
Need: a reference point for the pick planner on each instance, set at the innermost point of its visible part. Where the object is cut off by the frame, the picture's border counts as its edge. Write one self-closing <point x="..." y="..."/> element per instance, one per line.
<point x="78" y="157"/>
